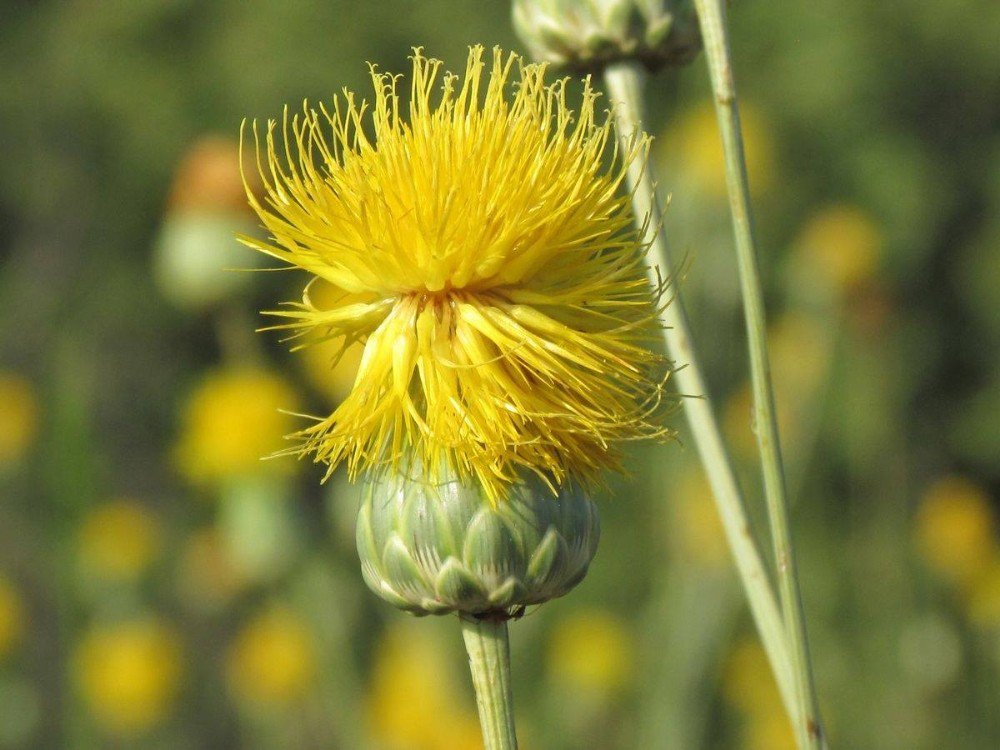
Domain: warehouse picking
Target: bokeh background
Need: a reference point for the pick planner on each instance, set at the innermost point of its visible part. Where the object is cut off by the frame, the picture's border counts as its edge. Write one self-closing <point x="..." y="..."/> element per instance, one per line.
<point x="160" y="587"/>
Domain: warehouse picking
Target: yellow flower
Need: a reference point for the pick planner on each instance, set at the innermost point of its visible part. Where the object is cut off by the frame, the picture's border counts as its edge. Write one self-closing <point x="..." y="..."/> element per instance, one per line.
<point x="231" y="421"/>
<point x="272" y="660"/>
<point x="748" y="685"/>
<point x="118" y="540"/>
<point x="413" y="702"/>
<point x="129" y="674"/>
<point x="771" y="731"/>
<point x="801" y="349"/>
<point x="486" y="261"/>
<point x="841" y="244"/>
<point x="955" y="530"/>
<point x="591" y="650"/>
<point x="701" y="537"/>
<point x="11" y="617"/>
<point x="692" y="147"/>
<point x="18" y="417"/>
<point x="747" y="681"/>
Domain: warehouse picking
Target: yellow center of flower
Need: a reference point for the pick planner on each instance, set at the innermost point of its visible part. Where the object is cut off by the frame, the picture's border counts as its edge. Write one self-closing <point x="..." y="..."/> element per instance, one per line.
<point x="487" y="261"/>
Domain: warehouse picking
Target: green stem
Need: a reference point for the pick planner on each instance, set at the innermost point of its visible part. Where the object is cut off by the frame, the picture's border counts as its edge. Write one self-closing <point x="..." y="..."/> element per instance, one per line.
<point x="489" y="659"/>
<point x="712" y="17"/>
<point x="625" y="82"/>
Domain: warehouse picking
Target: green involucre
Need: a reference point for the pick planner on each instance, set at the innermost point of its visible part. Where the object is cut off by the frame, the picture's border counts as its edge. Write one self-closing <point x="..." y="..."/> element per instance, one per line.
<point x="588" y="34"/>
<point x="435" y="549"/>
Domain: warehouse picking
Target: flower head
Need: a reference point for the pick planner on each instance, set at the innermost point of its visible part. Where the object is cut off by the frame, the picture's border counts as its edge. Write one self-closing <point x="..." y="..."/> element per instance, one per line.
<point x="955" y="529"/>
<point x="272" y="661"/>
<point x="129" y="674"/>
<point x="486" y="260"/>
<point x="229" y="421"/>
<point x="592" y="650"/>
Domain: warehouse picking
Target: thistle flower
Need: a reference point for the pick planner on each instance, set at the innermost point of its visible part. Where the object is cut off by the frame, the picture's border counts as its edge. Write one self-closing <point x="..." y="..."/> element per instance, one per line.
<point x="487" y="261"/>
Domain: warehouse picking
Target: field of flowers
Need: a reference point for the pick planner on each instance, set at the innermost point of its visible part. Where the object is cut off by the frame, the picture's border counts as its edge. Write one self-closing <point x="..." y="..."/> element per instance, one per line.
<point x="162" y="587"/>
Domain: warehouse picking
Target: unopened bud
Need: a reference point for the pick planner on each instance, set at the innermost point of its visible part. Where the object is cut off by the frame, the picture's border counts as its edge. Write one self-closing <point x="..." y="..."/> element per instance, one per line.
<point x="589" y="34"/>
<point x="443" y="547"/>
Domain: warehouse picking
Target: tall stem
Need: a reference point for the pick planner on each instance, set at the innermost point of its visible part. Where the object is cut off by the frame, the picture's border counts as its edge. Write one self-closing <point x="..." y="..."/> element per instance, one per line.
<point x="625" y="82"/>
<point x="712" y="17"/>
<point x="487" y="642"/>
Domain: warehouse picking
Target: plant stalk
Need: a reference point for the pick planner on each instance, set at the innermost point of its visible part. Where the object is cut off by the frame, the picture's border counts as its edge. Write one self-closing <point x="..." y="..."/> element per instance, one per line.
<point x="712" y="18"/>
<point x="625" y="82"/>
<point x="488" y="645"/>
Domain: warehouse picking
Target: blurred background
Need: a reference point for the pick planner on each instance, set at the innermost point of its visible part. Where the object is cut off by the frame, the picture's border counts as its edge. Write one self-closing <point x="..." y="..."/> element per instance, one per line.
<point x="160" y="587"/>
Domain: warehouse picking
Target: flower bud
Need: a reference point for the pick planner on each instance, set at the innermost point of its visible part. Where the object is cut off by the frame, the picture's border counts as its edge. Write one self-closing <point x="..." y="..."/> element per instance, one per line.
<point x="196" y="250"/>
<point x="439" y="548"/>
<point x="588" y="34"/>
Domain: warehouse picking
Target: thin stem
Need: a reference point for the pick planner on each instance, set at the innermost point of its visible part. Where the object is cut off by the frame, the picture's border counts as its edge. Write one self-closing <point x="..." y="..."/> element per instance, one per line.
<point x="712" y="17"/>
<point x="625" y="82"/>
<point x="489" y="659"/>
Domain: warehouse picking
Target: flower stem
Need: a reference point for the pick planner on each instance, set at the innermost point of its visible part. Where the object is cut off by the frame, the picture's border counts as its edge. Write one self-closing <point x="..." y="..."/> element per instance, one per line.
<point x="489" y="659"/>
<point x="712" y="18"/>
<point x="625" y="82"/>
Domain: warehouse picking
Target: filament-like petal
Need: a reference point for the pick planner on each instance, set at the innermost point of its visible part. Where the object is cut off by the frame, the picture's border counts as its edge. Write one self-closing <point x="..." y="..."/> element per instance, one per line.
<point x="475" y="240"/>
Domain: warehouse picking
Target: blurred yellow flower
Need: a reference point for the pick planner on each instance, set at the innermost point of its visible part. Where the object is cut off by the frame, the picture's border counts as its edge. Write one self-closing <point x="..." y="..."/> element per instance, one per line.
<point x="700" y="536"/>
<point x="591" y="650"/>
<point x="118" y="540"/>
<point x="800" y="347"/>
<point x="11" y="617"/>
<point x="747" y="682"/>
<point x="413" y="702"/>
<point x="691" y="147"/>
<point x="272" y="662"/>
<point x="231" y="421"/>
<point x="487" y="259"/>
<point x="770" y="731"/>
<point x="18" y="417"/>
<point x="128" y="674"/>
<point x="982" y="600"/>
<point x="955" y="530"/>
<point x="801" y="352"/>
<point x="841" y="244"/>
<point x="462" y="732"/>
